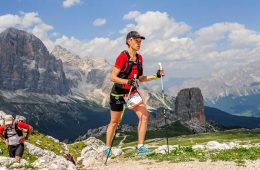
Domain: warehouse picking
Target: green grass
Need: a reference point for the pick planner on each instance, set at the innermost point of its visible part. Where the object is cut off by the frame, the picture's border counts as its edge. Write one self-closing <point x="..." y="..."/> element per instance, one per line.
<point x="39" y="140"/>
<point x="184" y="151"/>
<point x="245" y="136"/>
<point x="3" y="147"/>
<point x="44" y="142"/>
<point x="76" y="148"/>
<point x="175" y="129"/>
<point x="115" y="142"/>
<point x="28" y="157"/>
<point x="183" y="154"/>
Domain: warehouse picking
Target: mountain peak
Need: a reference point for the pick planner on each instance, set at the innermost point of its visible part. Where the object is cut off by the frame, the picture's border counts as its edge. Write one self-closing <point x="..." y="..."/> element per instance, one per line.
<point x="66" y="56"/>
<point x="26" y="64"/>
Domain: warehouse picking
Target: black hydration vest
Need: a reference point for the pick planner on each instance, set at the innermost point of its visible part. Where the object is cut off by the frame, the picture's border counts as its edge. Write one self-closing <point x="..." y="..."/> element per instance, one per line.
<point x="8" y="129"/>
<point x="125" y="72"/>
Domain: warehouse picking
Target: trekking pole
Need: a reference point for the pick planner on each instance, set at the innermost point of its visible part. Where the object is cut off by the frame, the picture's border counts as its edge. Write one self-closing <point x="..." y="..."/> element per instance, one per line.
<point x="164" y="111"/>
<point x="119" y="121"/>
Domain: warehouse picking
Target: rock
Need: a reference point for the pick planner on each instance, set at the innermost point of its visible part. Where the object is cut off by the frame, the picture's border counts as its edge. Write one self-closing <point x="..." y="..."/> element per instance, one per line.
<point x="54" y="163"/>
<point x="164" y="149"/>
<point x="189" y="105"/>
<point x="48" y="159"/>
<point x="93" y="153"/>
<point x="6" y="161"/>
<point x="220" y="146"/>
<point x="34" y="150"/>
<point x="2" y="115"/>
<point x="217" y="145"/>
<point x="116" y="151"/>
<point x="198" y="147"/>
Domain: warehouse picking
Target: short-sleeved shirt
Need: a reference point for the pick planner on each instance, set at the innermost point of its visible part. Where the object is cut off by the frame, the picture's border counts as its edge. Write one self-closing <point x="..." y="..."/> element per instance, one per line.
<point x="120" y="62"/>
<point x="14" y="138"/>
<point x="2" y="129"/>
<point x="20" y="125"/>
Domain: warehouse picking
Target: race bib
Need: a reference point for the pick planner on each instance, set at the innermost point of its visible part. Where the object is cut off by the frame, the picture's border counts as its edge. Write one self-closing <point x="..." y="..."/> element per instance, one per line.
<point x="134" y="101"/>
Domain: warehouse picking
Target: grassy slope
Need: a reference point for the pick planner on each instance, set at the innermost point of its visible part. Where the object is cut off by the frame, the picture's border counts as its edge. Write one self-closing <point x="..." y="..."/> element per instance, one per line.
<point x="184" y="151"/>
<point x="41" y="141"/>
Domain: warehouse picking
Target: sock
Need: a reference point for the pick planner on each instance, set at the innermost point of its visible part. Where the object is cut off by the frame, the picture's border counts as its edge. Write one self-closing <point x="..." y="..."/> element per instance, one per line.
<point x="108" y="147"/>
<point x="139" y="145"/>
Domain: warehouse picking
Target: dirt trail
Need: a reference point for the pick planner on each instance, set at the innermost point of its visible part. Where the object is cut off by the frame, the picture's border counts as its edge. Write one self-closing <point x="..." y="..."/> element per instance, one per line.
<point x="128" y="164"/>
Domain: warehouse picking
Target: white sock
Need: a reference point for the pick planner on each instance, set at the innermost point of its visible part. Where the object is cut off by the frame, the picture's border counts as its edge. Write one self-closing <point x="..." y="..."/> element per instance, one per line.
<point x="139" y="145"/>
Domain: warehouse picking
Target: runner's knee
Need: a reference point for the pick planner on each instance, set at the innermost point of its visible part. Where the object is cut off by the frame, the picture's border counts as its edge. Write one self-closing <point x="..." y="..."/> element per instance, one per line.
<point x="113" y="124"/>
<point x="144" y="117"/>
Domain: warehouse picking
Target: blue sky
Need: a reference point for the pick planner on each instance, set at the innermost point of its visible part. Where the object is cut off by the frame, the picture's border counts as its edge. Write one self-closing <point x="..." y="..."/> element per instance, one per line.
<point x="192" y="38"/>
<point x="77" y="20"/>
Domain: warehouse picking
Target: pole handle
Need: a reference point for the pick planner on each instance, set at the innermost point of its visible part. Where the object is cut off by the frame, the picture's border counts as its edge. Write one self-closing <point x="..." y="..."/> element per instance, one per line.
<point x="160" y="66"/>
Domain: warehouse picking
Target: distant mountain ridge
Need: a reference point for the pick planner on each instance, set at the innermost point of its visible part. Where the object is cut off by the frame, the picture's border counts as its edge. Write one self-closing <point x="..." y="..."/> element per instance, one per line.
<point x="228" y="89"/>
<point x="231" y="121"/>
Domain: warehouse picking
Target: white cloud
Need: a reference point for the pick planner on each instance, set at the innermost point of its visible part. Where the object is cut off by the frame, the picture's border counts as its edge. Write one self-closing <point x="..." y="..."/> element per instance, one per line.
<point x="184" y="52"/>
<point x="69" y="3"/>
<point x="30" y="22"/>
<point x="131" y="15"/>
<point x="8" y="20"/>
<point x="98" y="47"/>
<point x="99" y="22"/>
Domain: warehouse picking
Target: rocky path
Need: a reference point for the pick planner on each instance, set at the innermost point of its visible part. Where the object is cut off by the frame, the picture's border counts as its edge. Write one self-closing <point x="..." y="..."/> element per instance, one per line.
<point x="128" y="164"/>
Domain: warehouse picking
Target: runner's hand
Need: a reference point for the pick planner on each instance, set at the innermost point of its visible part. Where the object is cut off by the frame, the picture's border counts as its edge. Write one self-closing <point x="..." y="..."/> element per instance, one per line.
<point x="160" y="73"/>
<point x="22" y="140"/>
<point x="132" y="82"/>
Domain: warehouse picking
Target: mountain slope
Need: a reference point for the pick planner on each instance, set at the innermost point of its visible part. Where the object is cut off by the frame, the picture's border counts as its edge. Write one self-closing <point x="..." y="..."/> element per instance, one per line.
<point x="229" y="120"/>
<point x="26" y="64"/>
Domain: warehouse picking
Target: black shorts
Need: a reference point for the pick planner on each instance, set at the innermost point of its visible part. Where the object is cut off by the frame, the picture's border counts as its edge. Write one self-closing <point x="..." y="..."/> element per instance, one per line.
<point x="16" y="150"/>
<point x="116" y="102"/>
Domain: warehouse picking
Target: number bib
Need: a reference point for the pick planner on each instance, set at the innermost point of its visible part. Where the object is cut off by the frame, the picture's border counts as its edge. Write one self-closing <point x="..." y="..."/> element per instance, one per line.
<point x="134" y="101"/>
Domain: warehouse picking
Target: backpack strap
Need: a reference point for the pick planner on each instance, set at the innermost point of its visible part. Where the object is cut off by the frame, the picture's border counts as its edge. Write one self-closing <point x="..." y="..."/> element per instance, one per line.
<point x="17" y="130"/>
<point x="127" y="67"/>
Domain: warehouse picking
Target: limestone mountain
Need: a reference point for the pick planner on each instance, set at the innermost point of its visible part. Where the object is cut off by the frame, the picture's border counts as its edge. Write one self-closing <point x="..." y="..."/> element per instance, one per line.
<point x="25" y="63"/>
<point x="90" y="79"/>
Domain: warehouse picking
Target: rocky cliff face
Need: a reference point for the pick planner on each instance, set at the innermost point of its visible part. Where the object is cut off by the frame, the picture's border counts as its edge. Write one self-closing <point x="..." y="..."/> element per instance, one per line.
<point x="189" y="105"/>
<point x="89" y="78"/>
<point x="25" y="63"/>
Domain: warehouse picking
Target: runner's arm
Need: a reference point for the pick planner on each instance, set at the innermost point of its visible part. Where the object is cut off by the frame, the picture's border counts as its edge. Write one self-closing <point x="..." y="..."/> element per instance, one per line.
<point x="146" y="78"/>
<point x="27" y="127"/>
<point x="1" y="135"/>
<point x="152" y="77"/>
<point x="114" y="77"/>
<point x="28" y="132"/>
